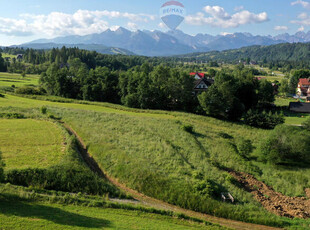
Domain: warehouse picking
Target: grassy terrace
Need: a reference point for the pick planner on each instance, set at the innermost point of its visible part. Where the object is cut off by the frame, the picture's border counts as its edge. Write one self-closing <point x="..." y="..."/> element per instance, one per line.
<point x="8" y="79"/>
<point x="28" y="143"/>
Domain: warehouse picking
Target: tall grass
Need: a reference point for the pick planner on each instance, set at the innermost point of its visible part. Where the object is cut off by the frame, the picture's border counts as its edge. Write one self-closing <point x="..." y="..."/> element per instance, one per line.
<point x="151" y="152"/>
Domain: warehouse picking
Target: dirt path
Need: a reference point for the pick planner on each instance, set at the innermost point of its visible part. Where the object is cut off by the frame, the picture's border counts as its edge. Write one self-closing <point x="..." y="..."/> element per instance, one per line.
<point x="158" y="204"/>
<point x="273" y="201"/>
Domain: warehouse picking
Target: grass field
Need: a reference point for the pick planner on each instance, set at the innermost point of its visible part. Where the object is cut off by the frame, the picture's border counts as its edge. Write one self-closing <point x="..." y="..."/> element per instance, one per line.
<point x="8" y="79"/>
<point x="23" y="208"/>
<point x="27" y="143"/>
<point x="149" y="151"/>
<point x="25" y="215"/>
<point x="4" y="55"/>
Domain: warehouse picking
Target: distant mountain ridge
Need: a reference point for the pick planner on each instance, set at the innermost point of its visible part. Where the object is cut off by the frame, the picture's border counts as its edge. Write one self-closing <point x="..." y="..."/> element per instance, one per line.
<point x="157" y="43"/>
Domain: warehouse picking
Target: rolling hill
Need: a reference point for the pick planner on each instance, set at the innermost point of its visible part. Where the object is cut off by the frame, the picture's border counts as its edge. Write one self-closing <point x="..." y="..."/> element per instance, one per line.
<point x="296" y="52"/>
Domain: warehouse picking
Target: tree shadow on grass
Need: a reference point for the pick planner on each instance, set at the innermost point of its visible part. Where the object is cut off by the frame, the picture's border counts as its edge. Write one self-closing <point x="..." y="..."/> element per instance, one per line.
<point x="10" y="207"/>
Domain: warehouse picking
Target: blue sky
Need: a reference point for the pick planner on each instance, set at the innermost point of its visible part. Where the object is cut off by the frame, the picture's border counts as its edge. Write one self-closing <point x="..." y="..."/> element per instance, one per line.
<point x="23" y="21"/>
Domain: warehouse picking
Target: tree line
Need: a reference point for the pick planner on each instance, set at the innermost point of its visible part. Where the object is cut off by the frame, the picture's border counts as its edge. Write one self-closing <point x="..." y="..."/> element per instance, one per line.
<point x="149" y="86"/>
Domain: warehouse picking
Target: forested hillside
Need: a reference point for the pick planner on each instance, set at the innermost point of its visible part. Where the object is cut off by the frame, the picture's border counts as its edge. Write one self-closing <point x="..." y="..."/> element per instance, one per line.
<point x="296" y="54"/>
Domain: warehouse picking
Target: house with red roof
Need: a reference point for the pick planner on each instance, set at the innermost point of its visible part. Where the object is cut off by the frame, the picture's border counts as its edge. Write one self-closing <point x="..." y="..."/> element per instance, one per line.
<point x="303" y="88"/>
<point x="197" y="75"/>
<point x="202" y="83"/>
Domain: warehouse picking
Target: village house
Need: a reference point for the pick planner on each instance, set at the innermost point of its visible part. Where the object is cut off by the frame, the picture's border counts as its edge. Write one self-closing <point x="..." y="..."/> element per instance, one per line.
<point x="19" y="57"/>
<point x="303" y="88"/>
<point x="197" y="75"/>
<point x="202" y="83"/>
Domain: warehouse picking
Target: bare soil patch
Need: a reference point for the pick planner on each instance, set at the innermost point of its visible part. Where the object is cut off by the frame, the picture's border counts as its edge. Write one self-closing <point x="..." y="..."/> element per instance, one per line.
<point x="274" y="201"/>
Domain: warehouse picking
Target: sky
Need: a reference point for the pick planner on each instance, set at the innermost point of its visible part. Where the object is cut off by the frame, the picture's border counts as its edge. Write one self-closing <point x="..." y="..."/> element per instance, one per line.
<point x="23" y="21"/>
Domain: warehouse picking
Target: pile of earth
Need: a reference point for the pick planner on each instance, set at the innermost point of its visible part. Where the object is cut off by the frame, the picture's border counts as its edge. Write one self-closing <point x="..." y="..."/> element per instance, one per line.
<point x="274" y="201"/>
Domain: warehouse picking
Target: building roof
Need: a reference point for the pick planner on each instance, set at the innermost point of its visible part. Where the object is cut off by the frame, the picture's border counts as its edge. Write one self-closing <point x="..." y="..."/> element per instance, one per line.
<point x="304" y="81"/>
<point x="208" y="82"/>
<point x="201" y="75"/>
<point x="260" y="78"/>
<point x="300" y="107"/>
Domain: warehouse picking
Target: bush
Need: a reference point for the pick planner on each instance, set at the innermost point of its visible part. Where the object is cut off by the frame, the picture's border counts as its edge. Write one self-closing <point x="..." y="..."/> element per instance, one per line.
<point x="1" y="168"/>
<point x="12" y="115"/>
<point x="64" y="178"/>
<point x="225" y="135"/>
<point x="188" y="128"/>
<point x="1" y="95"/>
<point x="245" y="147"/>
<point x="306" y="124"/>
<point x="28" y="90"/>
<point x="287" y="145"/>
<point x="263" y="119"/>
<point x="43" y="110"/>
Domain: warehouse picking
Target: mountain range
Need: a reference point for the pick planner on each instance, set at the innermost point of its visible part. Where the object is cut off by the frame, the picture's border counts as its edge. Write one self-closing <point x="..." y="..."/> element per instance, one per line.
<point x="158" y="43"/>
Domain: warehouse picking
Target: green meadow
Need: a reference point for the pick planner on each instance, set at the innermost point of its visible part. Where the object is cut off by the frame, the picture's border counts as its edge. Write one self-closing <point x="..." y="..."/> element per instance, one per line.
<point x="22" y="208"/>
<point x="28" y="143"/>
<point x="150" y="151"/>
<point x="33" y="215"/>
<point x="16" y="80"/>
<point x="4" y="55"/>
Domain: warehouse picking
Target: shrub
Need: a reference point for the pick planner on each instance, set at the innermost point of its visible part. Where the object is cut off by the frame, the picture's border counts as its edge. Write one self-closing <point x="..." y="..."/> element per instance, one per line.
<point x="1" y="95"/>
<point x="263" y="119"/>
<point x="245" y="147"/>
<point x="1" y="168"/>
<point x="287" y="145"/>
<point x="51" y="116"/>
<point x="188" y="128"/>
<point x="43" y="110"/>
<point x="204" y="186"/>
<point x="225" y="135"/>
<point x="12" y="115"/>
<point x="28" y="90"/>
<point x="306" y="124"/>
<point x="64" y="178"/>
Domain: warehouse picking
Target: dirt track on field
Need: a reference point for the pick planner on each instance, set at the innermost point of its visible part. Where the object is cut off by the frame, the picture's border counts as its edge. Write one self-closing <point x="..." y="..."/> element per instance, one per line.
<point x="158" y="204"/>
<point x="273" y="201"/>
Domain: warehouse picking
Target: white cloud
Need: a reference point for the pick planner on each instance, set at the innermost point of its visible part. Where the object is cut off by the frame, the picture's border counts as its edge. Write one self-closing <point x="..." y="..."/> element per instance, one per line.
<point x="14" y="27"/>
<point x="302" y="16"/>
<point x="217" y="12"/>
<point x="304" y="4"/>
<point x="278" y="28"/>
<point x="81" y="22"/>
<point x="220" y="18"/>
<point x="304" y="20"/>
<point x="301" y="29"/>
<point x="132" y="26"/>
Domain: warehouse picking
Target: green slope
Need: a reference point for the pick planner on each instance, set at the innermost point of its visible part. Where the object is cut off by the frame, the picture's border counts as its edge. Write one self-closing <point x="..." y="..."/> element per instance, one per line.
<point x="150" y="152"/>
